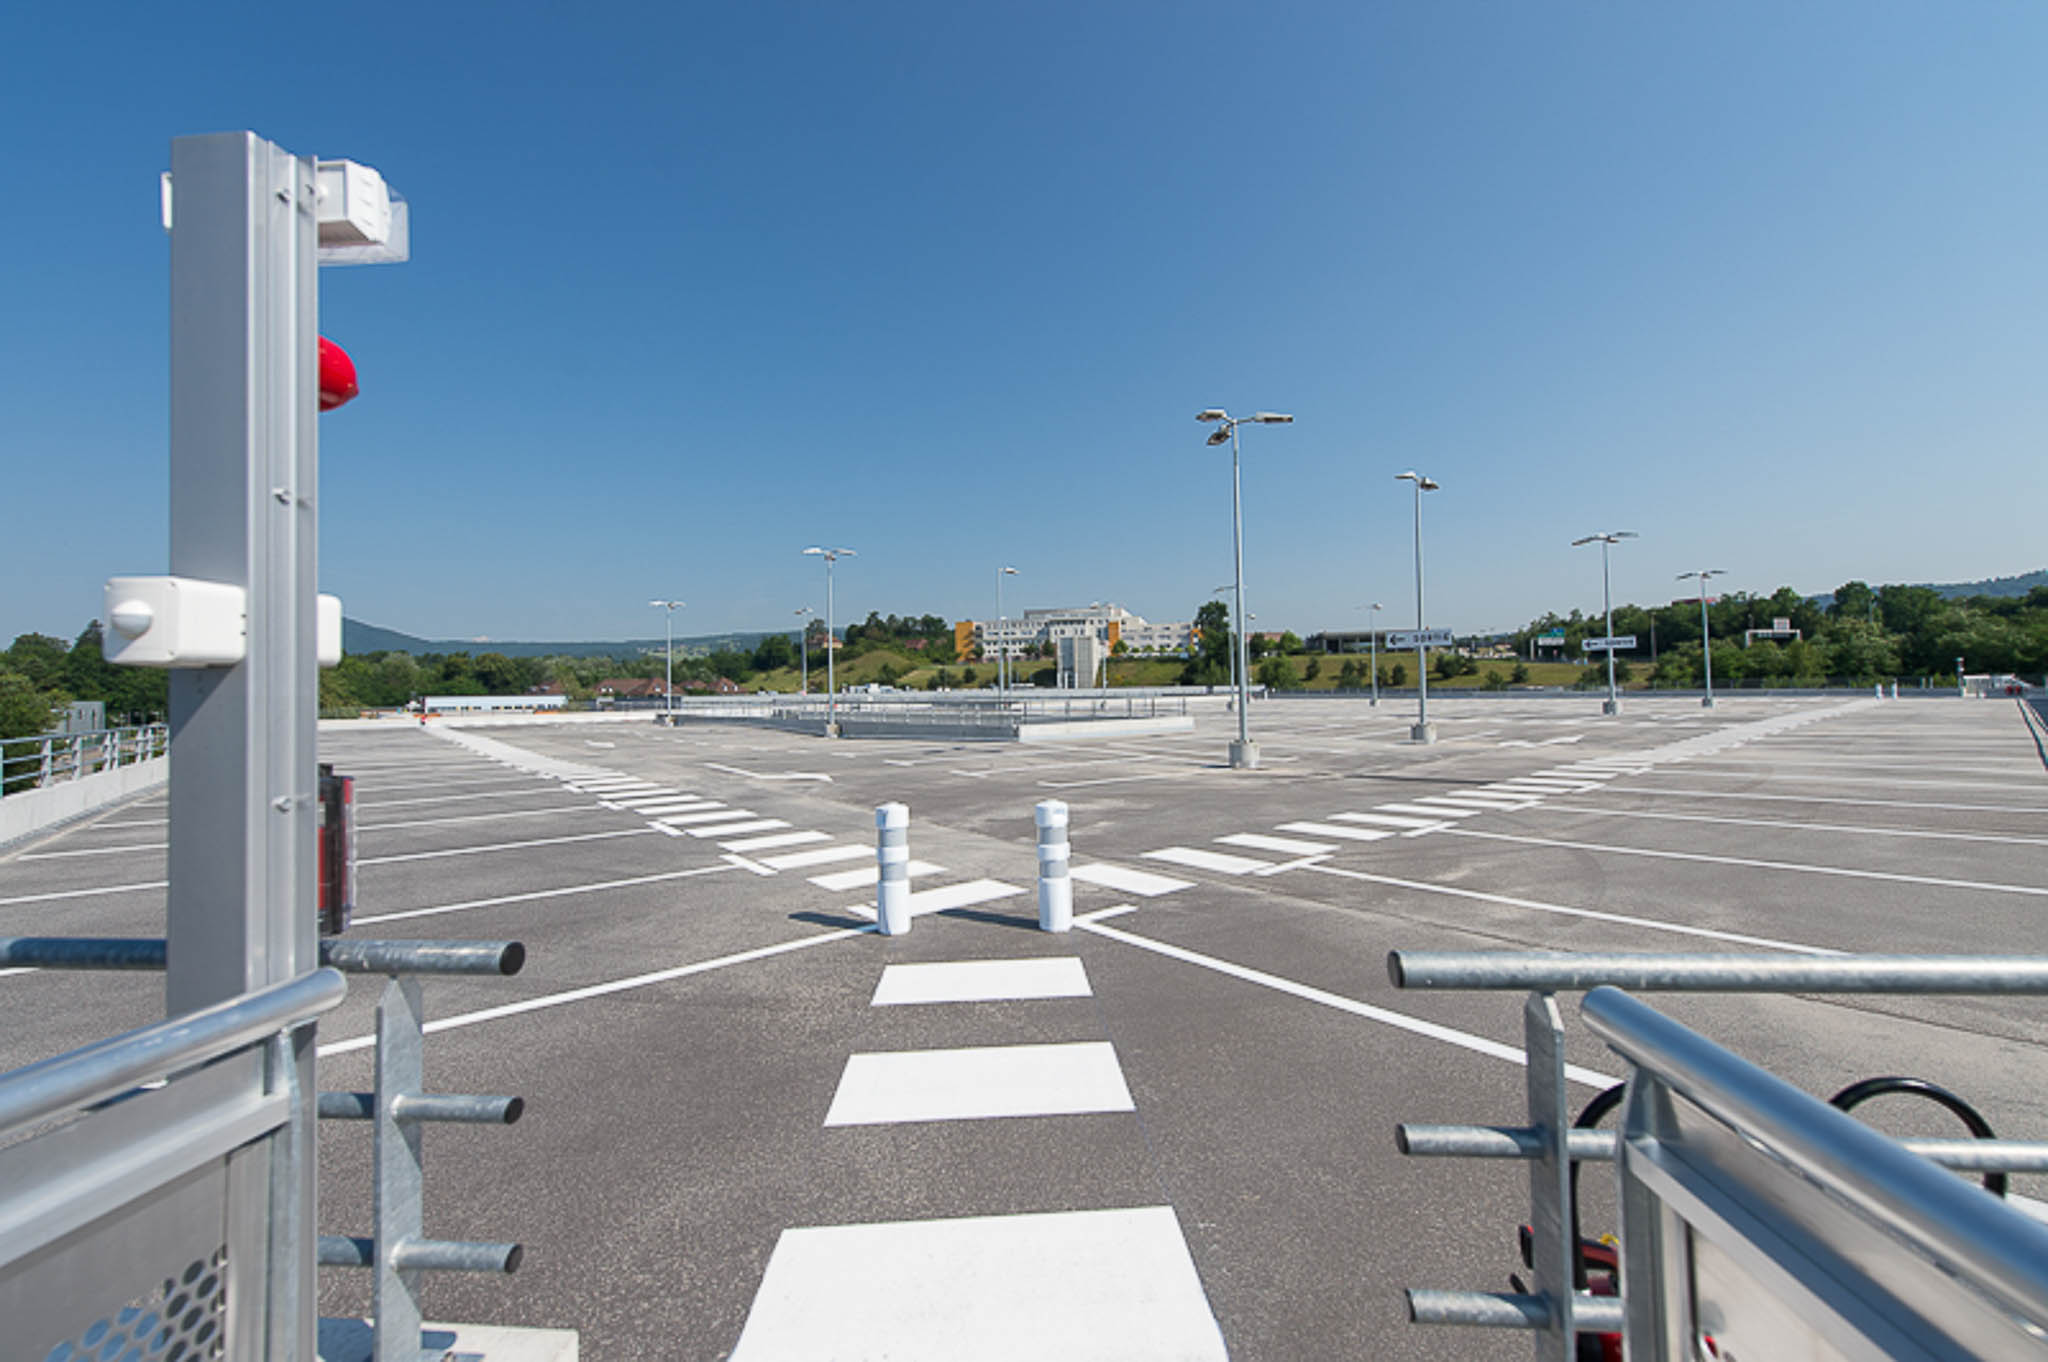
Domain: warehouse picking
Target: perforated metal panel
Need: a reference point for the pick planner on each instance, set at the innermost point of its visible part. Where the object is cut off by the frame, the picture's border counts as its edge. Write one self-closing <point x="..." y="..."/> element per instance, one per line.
<point x="181" y="1320"/>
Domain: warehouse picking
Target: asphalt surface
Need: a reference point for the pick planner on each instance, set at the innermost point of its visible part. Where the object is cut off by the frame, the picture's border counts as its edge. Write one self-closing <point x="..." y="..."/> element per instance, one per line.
<point x="691" y="1010"/>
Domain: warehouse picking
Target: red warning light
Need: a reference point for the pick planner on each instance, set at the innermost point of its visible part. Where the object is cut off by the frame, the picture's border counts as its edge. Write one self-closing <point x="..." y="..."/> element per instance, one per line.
<point x="337" y="376"/>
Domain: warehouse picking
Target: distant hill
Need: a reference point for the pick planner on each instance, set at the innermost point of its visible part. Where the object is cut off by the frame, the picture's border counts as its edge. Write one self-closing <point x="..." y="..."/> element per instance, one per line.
<point x="1990" y="586"/>
<point x="358" y="637"/>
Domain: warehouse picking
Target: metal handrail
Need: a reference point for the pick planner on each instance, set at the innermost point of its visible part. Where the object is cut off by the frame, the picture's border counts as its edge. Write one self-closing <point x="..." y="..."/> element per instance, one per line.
<point x="1557" y="972"/>
<point x="1991" y="1242"/>
<point x="344" y="954"/>
<point x="44" y="759"/>
<point x="119" y="1063"/>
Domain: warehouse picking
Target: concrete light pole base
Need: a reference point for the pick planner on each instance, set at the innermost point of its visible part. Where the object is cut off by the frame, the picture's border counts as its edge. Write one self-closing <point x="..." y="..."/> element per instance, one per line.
<point x="1610" y="706"/>
<point x="1706" y="702"/>
<point x="1422" y="733"/>
<point x="831" y="730"/>
<point x="1244" y="755"/>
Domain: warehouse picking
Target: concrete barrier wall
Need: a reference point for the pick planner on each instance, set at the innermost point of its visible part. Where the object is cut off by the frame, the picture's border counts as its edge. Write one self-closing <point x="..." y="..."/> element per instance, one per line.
<point x="27" y="812"/>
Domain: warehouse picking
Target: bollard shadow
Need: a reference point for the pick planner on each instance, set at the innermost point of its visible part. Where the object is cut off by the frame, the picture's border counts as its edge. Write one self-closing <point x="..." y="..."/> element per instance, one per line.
<point x="992" y="919"/>
<point x="819" y="919"/>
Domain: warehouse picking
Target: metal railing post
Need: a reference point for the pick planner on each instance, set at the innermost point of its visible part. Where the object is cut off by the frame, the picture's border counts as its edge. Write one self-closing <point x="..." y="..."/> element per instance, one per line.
<point x="397" y="1209"/>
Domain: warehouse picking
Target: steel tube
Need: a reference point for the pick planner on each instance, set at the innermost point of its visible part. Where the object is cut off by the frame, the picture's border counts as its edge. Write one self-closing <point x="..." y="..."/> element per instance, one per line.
<point x="82" y="952"/>
<point x="1978" y="1240"/>
<point x="423" y="957"/>
<point x="1551" y="972"/>
<point x="461" y="1109"/>
<point x="456" y="1255"/>
<point x="1498" y="1142"/>
<point x="1510" y="1310"/>
<point x="101" y="1070"/>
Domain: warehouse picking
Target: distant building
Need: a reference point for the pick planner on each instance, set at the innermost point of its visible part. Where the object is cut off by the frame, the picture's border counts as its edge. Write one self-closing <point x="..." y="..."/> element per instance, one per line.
<point x="487" y="704"/>
<point x="1108" y="625"/>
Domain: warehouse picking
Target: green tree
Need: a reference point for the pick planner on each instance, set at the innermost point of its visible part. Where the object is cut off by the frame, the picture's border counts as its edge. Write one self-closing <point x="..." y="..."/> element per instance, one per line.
<point x="1313" y="669"/>
<point x="1397" y="674"/>
<point x="1276" y="673"/>
<point x="25" y="711"/>
<point x="1520" y="675"/>
<point x="38" y="657"/>
<point x="1290" y="643"/>
<point x="1210" y="664"/>
<point x="1493" y="680"/>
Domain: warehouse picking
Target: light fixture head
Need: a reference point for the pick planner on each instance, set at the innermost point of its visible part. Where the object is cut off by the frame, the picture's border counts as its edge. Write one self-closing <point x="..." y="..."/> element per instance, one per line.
<point x="1221" y="435"/>
<point x="1010" y="571"/>
<point x="1272" y="418"/>
<point x="1212" y="414"/>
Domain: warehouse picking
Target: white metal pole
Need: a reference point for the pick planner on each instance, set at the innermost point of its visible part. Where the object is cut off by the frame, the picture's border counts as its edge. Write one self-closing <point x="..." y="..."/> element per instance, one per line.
<point x="1373" y="636"/>
<point x="1607" y="601"/>
<point x="1243" y="756"/>
<point x="1422" y="733"/>
<point x="831" y="679"/>
<point x="1706" y="643"/>
<point x="1055" y="885"/>
<point x="668" y="691"/>
<point x="892" y="860"/>
<point x="1002" y="654"/>
<point x="803" y="646"/>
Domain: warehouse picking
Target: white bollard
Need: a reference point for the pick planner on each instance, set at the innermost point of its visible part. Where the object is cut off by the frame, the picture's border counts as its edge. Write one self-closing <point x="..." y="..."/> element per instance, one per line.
<point x="1055" y="886"/>
<point x="892" y="858"/>
<point x="1895" y="690"/>
<point x="1879" y="688"/>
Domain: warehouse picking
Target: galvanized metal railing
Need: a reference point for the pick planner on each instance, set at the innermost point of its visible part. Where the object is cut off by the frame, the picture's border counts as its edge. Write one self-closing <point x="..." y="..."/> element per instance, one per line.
<point x="397" y="1248"/>
<point x="47" y="759"/>
<point x="1732" y="1178"/>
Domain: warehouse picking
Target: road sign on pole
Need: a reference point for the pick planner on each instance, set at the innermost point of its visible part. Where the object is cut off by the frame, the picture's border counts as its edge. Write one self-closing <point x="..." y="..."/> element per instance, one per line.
<point x="1601" y="645"/>
<point x="1423" y="638"/>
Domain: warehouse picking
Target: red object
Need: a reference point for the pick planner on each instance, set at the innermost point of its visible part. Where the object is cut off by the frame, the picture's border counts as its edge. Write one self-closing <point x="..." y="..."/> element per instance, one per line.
<point x="337" y="376"/>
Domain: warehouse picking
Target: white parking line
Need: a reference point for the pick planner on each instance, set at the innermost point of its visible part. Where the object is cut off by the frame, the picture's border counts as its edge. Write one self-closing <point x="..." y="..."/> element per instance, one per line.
<point x="983" y="1083"/>
<point x="1561" y="910"/>
<point x="723" y="815"/>
<point x="1284" y="845"/>
<point x="560" y="810"/>
<point x="1437" y="811"/>
<point x="1348" y="833"/>
<point x="1932" y="833"/>
<point x="84" y="893"/>
<point x="981" y="981"/>
<point x="1198" y="859"/>
<point x="437" y="909"/>
<point x="503" y="846"/>
<point x="1081" y="1286"/>
<point x="1462" y="1039"/>
<point x="667" y="806"/>
<point x="841" y="880"/>
<point x="1125" y="880"/>
<point x="776" y="839"/>
<point x="92" y="851"/>
<point x="1792" y="866"/>
<point x="577" y="995"/>
<point x="1388" y="821"/>
<point x="1826" y="799"/>
<point x="734" y="829"/>
<point x="822" y="856"/>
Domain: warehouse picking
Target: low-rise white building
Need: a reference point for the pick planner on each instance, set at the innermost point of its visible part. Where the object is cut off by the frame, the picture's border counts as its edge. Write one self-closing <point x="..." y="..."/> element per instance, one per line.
<point x="1108" y="625"/>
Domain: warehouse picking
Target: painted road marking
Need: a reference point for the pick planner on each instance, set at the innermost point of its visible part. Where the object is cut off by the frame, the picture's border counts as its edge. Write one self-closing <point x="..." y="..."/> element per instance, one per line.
<point x="1933" y="833"/>
<point x="1437" y="811"/>
<point x="1793" y="866"/>
<point x="1198" y="859"/>
<point x="721" y="815"/>
<point x="982" y="981"/>
<point x="92" y="851"/>
<point x="84" y="893"/>
<point x="1496" y="799"/>
<point x="863" y="876"/>
<point x="1826" y="799"/>
<point x="503" y="846"/>
<point x="1082" y="1286"/>
<point x="1463" y="1039"/>
<point x="733" y="829"/>
<point x="561" y="810"/>
<point x="577" y="995"/>
<point x="1451" y="803"/>
<point x="1125" y="880"/>
<point x="1334" y="830"/>
<point x="776" y="839"/>
<point x="437" y="909"/>
<point x="1287" y="846"/>
<point x="986" y="1082"/>
<point x="958" y="895"/>
<point x="1533" y="905"/>
<point x="822" y="856"/>
<point x="1385" y="820"/>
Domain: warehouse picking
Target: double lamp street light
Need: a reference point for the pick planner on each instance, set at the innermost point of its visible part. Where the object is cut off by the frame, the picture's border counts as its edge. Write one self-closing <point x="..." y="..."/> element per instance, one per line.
<point x="1607" y="540"/>
<point x="830" y="556"/>
<point x="1243" y="753"/>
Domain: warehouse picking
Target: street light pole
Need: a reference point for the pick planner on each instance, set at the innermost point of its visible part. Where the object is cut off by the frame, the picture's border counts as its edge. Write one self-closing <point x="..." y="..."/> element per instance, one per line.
<point x="803" y="644"/>
<point x="1243" y="753"/>
<point x="830" y="556"/>
<point x="1373" y="636"/>
<point x="1422" y="732"/>
<point x="668" y="693"/>
<point x="1706" y="631"/>
<point x="1605" y="541"/>
<point x="1002" y="637"/>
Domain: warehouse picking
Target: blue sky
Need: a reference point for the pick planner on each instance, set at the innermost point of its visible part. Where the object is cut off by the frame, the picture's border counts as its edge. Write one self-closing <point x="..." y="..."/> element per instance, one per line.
<point x="694" y="286"/>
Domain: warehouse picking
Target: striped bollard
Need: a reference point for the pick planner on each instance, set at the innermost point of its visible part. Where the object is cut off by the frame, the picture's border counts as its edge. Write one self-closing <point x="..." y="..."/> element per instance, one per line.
<point x="892" y="858"/>
<point x="1055" y="886"/>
